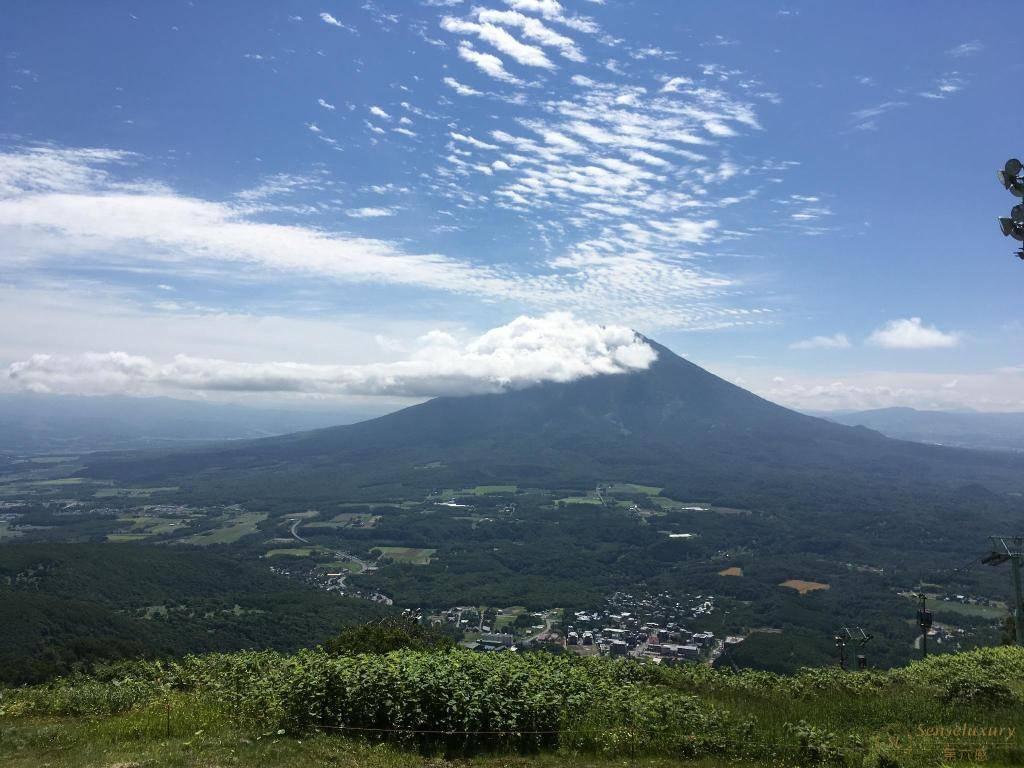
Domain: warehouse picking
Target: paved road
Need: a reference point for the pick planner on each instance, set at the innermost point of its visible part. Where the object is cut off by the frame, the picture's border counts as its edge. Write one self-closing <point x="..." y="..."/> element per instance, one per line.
<point x="363" y="565"/>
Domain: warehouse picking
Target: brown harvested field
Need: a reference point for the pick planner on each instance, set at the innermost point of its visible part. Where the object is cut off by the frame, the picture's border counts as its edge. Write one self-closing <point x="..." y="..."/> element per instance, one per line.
<point x="733" y="571"/>
<point x="803" y="587"/>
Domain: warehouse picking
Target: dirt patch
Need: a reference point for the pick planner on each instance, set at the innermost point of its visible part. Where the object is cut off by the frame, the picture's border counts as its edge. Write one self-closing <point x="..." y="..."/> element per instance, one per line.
<point x="803" y="587"/>
<point x="733" y="571"/>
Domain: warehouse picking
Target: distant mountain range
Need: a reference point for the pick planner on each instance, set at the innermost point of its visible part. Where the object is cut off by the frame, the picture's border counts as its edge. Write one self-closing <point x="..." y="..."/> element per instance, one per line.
<point x="37" y="423"/>
<point x="673" y="425"/>
<point x="989" y="431"/>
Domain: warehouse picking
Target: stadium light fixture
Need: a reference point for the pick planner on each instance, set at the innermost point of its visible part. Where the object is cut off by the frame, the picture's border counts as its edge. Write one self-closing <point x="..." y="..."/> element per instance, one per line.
<point x="1010" y="177"/>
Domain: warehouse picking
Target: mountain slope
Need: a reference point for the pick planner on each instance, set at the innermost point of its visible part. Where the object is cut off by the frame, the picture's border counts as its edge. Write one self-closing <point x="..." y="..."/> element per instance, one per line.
<point x="39" y="423"/>
<point x="992" y="431"/>
<point x="674" y="425"/>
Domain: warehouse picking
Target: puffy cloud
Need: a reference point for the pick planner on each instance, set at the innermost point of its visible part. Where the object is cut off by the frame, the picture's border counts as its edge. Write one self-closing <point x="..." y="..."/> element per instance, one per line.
<point x="837" y="341"/>
<point x="555" y="347"/>
<point x="911" y="333"/>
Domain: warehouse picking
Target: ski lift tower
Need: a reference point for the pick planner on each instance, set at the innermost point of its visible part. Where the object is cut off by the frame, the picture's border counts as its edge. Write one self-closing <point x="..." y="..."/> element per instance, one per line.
<point x="1011" y="549"/>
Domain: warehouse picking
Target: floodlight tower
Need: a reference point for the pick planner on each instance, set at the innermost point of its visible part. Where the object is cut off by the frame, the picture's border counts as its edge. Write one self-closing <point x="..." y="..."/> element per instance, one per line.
<point x="1013" y="182"/>
<point x="1011" y="548"/>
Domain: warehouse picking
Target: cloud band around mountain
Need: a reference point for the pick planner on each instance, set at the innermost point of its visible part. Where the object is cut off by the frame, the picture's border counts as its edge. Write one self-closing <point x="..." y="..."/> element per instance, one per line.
<point x="555" y="347"/>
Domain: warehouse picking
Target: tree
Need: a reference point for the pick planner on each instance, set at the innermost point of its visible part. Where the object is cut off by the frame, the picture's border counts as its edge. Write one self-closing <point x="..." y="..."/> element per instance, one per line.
<point x="386" y="635"/>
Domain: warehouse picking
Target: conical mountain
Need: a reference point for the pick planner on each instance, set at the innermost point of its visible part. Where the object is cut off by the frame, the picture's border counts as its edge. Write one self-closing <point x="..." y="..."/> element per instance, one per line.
<point x="673" y="424"/>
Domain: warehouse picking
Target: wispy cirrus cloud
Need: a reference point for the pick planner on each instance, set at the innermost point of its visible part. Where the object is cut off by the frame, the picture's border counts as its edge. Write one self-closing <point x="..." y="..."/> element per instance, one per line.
<point x="56" y="202"/>
<point x="836" y="341"/>
<point x="969" y="48"/>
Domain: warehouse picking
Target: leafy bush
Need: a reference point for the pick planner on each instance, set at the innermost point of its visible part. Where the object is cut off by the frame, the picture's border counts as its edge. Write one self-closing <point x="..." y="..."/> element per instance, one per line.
<point x="389" y="634"/>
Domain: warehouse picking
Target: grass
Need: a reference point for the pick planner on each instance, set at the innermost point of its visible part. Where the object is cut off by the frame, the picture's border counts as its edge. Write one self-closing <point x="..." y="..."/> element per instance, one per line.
<point x="339" y="565"/>
<point x="633" y="488"/>
<point x="292" y="552"/>
<point x="126" y="538"/>
<point x="581" y="500"/>
<point x="967" y="609"/>
<point x="823" y="717"/>
<point x="107" y="493"/>
<point x="230" y="531"/>
<point x="138" y="739"/>
<point x="413" y="555"/>
<point x="483" y="490"/>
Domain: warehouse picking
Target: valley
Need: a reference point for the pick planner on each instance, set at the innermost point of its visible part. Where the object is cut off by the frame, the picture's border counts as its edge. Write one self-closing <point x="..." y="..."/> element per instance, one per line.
<point x="529" y="560"/>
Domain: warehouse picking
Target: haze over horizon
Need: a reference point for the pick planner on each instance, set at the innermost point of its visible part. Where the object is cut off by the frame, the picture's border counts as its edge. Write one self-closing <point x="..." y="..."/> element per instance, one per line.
<point x="399" y="200"/>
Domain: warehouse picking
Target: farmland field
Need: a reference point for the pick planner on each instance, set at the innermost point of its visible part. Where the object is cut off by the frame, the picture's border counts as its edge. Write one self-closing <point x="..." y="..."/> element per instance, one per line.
<point x="414" y="555"/>
<point x="803" y="587"/>
<point x="232" y="530"/>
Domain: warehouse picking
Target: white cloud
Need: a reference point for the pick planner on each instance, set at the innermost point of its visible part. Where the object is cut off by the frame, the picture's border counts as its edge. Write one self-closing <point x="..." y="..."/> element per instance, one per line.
<point x="487" y="63"/>
<point x="527" y="55"/>
<point x="966" y="49"/>
<point x="378" y="112"/>
<point x="944" y="87"/>
<point x="911" y="333"/>
<point x="58" y="205"/>
<point x="369" y="213"/>
<point x="984" y="390"/>
<point x="459" y="88"/>
<point x="837" y="341"/>
<point x="532" y="29"/>
<point x="553" y="11"/>
<point x="325" y="104"/>
<point x="329" y="19"/>
<point x="529" y="350"/>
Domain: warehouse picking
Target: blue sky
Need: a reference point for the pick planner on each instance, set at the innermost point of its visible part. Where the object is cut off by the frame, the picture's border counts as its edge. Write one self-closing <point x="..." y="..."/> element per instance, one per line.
<point x="800" y="196"/>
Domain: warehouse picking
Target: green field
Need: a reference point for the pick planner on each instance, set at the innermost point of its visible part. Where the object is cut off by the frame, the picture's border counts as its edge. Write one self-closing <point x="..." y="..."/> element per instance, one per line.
<point x="230" y="531"/>
<point x="634" y="488"/>
<point x="339" y="565"/>
<point x="126" y="538"/>
<point x="108" y="493"/>
<point x="483" y="490"/>
<point x="967" y="609"/>
<point x="57" y="482"/>
<point x="413" y="555"/>
<point x="581" y="500"/>
<point x="293" y="552"/>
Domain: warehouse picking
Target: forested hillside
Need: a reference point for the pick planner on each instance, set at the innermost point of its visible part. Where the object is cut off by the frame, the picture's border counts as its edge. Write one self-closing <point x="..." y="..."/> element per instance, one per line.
<point x="66" y="606"/>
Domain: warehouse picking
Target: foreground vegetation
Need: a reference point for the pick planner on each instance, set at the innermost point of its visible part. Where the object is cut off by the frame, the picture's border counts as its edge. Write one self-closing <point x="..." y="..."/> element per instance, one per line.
<point x="400" y="708"/>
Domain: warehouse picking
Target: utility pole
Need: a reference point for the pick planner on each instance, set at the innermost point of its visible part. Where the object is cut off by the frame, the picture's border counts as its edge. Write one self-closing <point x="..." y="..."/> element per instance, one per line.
<point x="924" y="621"/>
<point x="1011" y="548"/>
